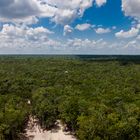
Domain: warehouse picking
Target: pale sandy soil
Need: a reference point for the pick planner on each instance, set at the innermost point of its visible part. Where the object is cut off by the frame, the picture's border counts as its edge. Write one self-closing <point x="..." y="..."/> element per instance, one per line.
<point x="35" y="132"/>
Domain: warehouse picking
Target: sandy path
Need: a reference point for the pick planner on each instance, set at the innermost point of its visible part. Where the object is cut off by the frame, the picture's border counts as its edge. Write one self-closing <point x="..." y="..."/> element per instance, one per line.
<point x="34" y="132"/>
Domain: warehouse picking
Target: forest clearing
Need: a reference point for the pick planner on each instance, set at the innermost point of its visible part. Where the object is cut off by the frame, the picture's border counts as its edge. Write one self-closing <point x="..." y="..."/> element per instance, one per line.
<point x="35" y="132"/>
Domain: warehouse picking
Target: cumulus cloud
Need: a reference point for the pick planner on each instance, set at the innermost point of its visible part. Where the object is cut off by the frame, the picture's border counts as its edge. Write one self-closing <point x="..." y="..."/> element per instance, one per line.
<point x="127" y="34"/>
<point x="82" y="27"/>
<point x="68" y="10"/>
<point x="17" y="9"/>
<point x="138" y="37"/>
<point x="11" y="33"/>
<point x="23" y="39"/>
<point x="131" y="44"/>
<point x="27" y="38"/>
<point x="58" y="11"/>
<point x="64" y="16"/>
<point x="102" y="30"/>
<point x="138" y="26"/>
<point x="100" y="2"/>
<point x="67" y="30"/>
<point x="86" y="43"/>
<point x="131" y="8"/>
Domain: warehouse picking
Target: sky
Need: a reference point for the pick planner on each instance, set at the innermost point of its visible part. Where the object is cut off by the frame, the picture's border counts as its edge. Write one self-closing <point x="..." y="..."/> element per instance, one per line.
<point x="70" y="27"/>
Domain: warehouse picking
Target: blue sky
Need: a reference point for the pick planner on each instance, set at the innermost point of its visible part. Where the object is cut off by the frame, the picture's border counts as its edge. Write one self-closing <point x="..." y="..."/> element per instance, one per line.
<point x="70" y="27"/>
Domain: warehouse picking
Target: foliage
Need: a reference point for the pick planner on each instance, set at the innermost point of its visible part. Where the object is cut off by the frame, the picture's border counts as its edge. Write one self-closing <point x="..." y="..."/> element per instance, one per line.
<point x="96" y="99"/>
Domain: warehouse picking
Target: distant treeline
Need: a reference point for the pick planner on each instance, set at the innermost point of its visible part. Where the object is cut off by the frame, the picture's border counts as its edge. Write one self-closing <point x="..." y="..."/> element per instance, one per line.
<point x="80" y="57"/>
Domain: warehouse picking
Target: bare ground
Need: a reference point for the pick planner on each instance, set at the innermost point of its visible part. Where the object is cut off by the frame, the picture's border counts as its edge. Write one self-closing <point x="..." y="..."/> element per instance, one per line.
<point x="34" y="131"/>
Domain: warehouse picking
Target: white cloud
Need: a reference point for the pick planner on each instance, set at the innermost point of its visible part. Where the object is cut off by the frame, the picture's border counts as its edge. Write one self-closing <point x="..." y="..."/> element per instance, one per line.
<point x="82" y="27"/>
<point x="100" y="2"/>
<point x="25" y="40"/>
<point x="11" y="33"/>
<point x="86" y="43"/>
<point x="131" y="8"/>
<point x="138" y="26"/>
<point x="58" y="11"/>
<point x="133" y="44"/>
<point x="128" y="34"/>
<point x="102" y="30"/>
<point x="67" y="30"/>
<point x="22" y="39"/>
<point x="68" y="10"/>
<point x="11" y="10"/>
<point x="138" y="37"/>
<point x="64" y="16"/>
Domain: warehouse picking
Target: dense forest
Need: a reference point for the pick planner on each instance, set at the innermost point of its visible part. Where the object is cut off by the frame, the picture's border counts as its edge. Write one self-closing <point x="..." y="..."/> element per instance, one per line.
<point x="97" y="99"/>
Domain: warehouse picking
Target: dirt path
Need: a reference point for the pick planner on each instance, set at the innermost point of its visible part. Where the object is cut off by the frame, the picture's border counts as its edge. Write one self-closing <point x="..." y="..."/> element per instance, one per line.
<point x="35" y="132"/>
